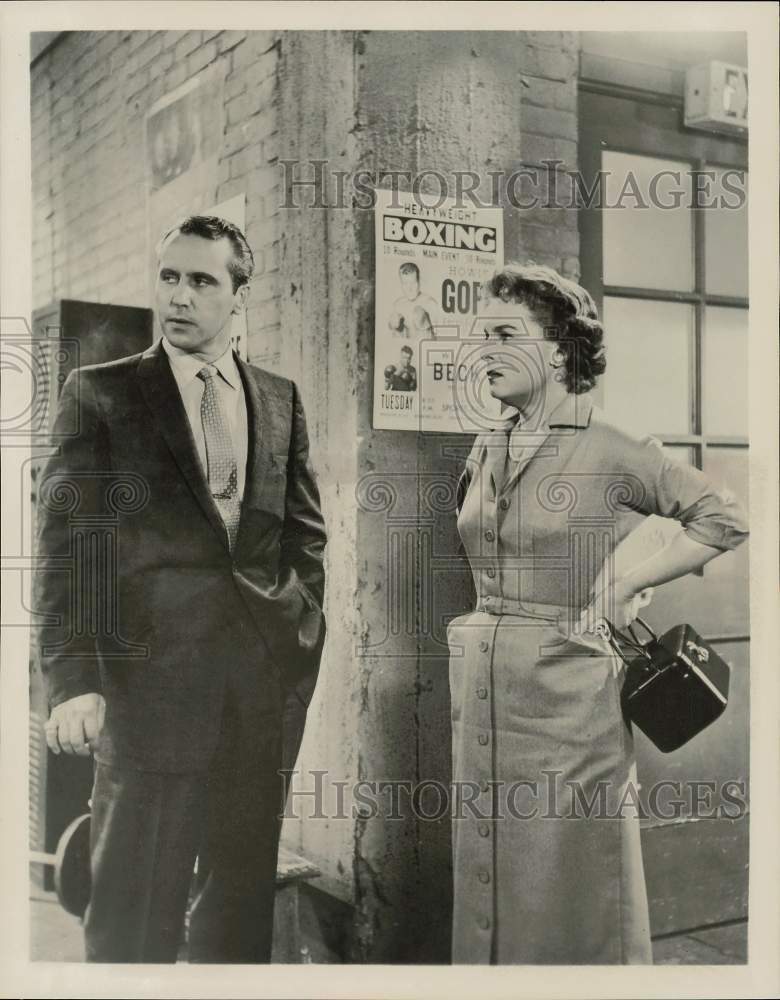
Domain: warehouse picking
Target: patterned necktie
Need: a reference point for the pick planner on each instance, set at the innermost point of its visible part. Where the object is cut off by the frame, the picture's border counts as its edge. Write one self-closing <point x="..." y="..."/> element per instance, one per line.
<point x="220" y="458"/>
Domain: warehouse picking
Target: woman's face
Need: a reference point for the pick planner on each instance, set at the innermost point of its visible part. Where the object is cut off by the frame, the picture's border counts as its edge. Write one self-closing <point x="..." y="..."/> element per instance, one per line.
<point x="516" y="355"/>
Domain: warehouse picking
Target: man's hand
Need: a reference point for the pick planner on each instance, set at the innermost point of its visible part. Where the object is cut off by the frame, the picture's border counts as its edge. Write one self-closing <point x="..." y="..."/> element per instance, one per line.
<point x="74" y="725"/>
<point x="397" y="323"/>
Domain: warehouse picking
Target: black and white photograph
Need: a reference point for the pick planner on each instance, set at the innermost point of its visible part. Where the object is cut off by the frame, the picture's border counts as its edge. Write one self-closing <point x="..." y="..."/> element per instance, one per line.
<point x="389" y="443"/>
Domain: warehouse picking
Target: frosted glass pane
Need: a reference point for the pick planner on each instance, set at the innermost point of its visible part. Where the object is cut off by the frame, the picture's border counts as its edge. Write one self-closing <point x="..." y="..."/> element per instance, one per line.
<point x="725" y="380"/>
<point x="647" y="381"/>
<point x="726" y="235"/>
<point x="646" y="245"/>
<point x="682" y="453"/>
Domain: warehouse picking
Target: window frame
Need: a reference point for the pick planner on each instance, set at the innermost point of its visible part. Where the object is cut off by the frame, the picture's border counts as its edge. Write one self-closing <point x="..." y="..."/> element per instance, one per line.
<point x="661" y="137"/>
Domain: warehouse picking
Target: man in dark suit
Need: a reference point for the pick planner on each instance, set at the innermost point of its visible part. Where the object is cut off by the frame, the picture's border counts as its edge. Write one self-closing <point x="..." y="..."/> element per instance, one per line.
<point x="186" y="661"/>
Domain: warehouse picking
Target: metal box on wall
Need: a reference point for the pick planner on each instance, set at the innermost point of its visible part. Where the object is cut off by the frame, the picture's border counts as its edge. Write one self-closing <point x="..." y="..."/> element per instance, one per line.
<point x="91" y="333"/>
<point x="716" y="98"/>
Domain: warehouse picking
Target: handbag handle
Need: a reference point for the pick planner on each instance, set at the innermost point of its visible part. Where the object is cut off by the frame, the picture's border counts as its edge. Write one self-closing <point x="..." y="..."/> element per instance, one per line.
<point x="645" y="626"/>
<point x="611" y="634"/>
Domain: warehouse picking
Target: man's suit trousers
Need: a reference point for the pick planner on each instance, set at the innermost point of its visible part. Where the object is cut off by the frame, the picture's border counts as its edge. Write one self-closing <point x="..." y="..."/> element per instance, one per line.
<point x="147" y="829"/>
<point x="146" y="832"/>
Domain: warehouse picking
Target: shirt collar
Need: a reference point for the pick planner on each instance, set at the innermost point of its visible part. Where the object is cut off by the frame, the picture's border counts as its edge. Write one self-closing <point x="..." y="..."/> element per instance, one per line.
<point x="574" y="410"/>
<point x="186" y="366"/>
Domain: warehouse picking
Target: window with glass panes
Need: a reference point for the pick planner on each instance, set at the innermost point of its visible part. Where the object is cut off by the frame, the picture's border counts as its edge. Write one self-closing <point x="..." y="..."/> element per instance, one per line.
<point x="669" y="268"/>
<point x="675" y="287"/>
<point x="671" y="285"/>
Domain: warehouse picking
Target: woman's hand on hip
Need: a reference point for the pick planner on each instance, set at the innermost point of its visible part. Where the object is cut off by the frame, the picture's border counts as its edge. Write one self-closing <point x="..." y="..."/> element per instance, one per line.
<point x="619" y="603"/>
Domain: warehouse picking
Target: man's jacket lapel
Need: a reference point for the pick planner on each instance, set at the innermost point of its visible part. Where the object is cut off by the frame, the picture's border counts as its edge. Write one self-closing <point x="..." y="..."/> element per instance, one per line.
<point x="269" y="421"/>
<point x="261" y="423"/>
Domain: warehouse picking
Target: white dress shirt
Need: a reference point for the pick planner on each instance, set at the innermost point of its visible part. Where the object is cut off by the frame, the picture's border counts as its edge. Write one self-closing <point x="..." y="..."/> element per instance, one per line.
<point x="185" y="369"/>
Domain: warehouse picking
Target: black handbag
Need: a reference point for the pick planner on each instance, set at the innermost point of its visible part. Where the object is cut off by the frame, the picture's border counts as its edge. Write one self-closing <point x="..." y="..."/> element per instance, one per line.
<point x="674" y="686"/>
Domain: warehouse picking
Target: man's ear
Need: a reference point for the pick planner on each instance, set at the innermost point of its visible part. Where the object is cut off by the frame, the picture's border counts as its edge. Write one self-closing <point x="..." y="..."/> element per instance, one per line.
<point x="242" y="294"/>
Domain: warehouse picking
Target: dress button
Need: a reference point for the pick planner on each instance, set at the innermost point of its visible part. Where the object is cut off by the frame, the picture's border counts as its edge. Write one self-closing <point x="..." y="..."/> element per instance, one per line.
<point x="484" y="645"/>
<point x="481" y="692"/>
<point x="483" y="830"/>
<point x="483" y="739"/>
<point x="490" y="534"/>
<point x="490" y="572"/>
<point x="484" y="923"/>
<point x="504" y="504"/>
<point x="484" y="878"/>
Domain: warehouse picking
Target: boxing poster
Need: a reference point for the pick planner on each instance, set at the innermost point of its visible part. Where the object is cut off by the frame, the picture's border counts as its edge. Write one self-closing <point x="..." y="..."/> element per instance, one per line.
<point x="432" y="257"/>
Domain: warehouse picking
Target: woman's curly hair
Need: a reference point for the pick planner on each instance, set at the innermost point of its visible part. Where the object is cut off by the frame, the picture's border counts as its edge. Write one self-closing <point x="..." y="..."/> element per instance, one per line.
<point x="567" y="312"/>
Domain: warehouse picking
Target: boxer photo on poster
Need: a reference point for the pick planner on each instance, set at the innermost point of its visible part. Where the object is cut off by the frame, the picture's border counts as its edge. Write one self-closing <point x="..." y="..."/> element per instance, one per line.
<point x="414" y="312"/>
<point x="402" y="377"/>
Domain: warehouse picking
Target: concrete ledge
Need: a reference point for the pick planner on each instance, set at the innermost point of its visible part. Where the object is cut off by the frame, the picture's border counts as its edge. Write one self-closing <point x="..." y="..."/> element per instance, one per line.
<point x="291" y="866"/>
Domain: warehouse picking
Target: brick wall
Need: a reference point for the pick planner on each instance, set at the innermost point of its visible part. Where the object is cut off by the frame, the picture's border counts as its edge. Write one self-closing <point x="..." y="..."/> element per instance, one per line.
<point x="547" y="84"/>
<point x="90" y="93"/>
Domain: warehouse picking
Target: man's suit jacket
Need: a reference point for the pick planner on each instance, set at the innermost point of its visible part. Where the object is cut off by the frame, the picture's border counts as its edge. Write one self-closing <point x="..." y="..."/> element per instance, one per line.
<point x="141" y="597"/>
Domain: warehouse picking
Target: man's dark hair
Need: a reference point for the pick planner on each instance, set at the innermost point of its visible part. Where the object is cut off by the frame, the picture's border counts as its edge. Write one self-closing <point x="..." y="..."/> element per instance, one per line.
<point x="210" y="227"/>
<point x="407" y="350"/>
<point x="409" y="268"/>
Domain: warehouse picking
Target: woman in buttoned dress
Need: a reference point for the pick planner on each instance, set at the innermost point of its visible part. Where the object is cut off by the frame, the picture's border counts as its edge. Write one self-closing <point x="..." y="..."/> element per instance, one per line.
<point x="546" y="849"/>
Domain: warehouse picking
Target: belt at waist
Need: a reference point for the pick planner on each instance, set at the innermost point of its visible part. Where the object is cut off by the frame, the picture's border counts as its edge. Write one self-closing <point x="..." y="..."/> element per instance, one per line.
<point x="527" y="609"/>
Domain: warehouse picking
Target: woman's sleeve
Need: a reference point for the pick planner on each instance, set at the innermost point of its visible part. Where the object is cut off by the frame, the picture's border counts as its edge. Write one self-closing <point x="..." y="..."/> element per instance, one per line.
<point x="709" y="514"/>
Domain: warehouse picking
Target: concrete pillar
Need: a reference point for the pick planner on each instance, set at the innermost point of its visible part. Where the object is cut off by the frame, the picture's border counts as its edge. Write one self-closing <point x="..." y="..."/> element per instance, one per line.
<point x="393" y="101"/>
